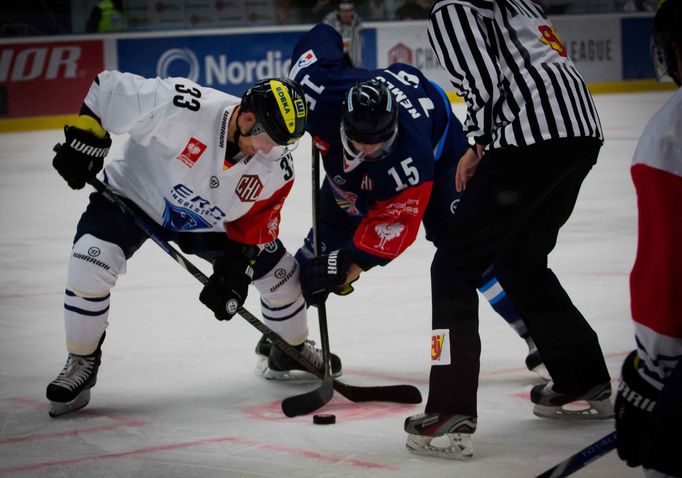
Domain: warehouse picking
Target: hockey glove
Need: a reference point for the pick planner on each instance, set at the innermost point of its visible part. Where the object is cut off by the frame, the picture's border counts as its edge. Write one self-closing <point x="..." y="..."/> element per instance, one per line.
<point x="228" y="286"/>
<point x="81" y="156"/>
<point x="324" y="274"/>
<point x="635" y="401"/>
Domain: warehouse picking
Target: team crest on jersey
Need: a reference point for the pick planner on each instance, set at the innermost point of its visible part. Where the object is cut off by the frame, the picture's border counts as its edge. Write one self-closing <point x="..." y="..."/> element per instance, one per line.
<point x="440" y="347"/>
<point x="249" y="188"/>
<point x="550" y="37"/>
<point x="182" y="219"/>
<point x="387" y="232"/>
<point x="192" y="152"/>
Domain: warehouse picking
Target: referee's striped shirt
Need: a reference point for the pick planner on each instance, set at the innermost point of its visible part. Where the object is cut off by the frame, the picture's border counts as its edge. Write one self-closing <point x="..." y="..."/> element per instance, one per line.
<point x="506" y="60"/>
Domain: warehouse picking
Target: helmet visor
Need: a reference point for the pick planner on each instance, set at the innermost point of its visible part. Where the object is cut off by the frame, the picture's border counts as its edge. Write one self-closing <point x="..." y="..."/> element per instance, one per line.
<point x="354" y="155"/>
<point x="660" y="59"/>
<point x="261" y="141"/>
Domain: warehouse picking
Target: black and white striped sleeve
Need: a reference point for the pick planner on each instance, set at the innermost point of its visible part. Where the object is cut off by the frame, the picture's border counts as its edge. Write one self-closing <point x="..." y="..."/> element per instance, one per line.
<point x="463" y="40"/>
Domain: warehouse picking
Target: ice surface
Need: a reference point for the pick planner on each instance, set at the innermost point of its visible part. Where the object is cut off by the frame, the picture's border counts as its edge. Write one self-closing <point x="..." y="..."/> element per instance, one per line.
<point x="177" y="395"/>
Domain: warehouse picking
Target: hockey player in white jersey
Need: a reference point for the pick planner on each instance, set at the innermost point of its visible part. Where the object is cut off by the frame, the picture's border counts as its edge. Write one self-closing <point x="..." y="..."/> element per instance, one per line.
<point x="649" y="400"/>
<point x="212" y="171"/>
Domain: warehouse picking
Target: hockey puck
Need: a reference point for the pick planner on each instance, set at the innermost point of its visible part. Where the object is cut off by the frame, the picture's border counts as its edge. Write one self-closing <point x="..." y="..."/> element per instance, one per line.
<point x="324" y="419"/>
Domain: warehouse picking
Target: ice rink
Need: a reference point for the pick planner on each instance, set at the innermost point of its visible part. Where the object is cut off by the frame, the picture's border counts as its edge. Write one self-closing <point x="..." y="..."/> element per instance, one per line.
<point x="177" y="396"/>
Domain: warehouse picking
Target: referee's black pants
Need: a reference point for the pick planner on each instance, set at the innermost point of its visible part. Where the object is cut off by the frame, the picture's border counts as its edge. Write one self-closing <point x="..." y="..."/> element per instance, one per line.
<point x="510" y="215"/>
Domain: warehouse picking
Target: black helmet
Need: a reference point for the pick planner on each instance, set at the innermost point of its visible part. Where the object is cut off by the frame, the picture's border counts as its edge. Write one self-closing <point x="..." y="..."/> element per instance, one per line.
<point x="370" y="114"/>
<point x="667" y="28"/>
<point x="279" y="106"/>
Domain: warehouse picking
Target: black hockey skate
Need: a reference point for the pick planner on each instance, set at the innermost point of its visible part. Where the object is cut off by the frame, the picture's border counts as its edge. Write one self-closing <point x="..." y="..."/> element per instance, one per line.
<point x="534" y="362"/>
<point x="70" y="391"/>
<point x="426" y="430"/>
<point x="551" y="404"/>
<point x="262" y="353"/>
<point x="282" y="367"/>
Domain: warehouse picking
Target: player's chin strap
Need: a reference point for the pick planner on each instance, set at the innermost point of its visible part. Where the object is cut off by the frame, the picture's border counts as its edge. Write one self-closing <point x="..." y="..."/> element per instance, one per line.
<point x="388" y="393"/>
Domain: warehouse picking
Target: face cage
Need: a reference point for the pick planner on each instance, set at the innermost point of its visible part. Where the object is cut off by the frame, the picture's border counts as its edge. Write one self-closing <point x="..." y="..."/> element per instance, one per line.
<point x="355" y="156"/>
<point x="660" y="62"/>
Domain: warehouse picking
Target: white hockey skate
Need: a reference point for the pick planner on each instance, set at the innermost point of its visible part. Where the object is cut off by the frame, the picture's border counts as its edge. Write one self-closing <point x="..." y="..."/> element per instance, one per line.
<point x="279" y="366"/>
<point x="441" y="435"/>
<point x="593" y="404"/>
<point x="70" y="391"/>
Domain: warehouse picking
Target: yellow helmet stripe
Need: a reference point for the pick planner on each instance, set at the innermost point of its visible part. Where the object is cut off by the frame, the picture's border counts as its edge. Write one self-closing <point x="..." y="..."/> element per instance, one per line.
<point x="286" y="107"/>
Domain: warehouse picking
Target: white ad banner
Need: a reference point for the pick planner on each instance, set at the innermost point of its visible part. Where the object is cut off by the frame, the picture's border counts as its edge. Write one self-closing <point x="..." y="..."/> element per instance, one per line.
<point x="592" y="42"/>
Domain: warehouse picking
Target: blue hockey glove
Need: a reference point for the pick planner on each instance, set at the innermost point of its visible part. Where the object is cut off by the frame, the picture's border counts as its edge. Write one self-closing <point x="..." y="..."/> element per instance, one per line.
<point x="324" y="274"/>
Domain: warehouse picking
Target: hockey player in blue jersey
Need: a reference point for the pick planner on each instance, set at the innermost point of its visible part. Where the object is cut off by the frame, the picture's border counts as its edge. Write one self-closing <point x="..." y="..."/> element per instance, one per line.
<point x="390" y="164"/>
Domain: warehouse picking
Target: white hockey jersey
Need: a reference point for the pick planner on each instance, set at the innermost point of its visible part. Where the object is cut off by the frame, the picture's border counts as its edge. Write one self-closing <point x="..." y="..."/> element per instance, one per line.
<point x="656" y="278"/>
<point x="173" y="165"/>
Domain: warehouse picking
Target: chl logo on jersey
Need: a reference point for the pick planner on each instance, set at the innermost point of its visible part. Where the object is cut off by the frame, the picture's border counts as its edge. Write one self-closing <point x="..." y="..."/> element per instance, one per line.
<point x="249" y="188"/>
<point x="192" y="152"/>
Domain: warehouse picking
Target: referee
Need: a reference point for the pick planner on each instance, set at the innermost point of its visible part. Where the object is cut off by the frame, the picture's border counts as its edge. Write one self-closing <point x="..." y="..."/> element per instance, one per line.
<point x="536" y="134"/>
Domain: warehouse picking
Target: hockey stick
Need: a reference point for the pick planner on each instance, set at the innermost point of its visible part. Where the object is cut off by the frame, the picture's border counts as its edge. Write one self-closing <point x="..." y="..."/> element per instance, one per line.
<point x="387" y="393"/>
<point x="315" y="399"/>
<point x="585" y="456"/>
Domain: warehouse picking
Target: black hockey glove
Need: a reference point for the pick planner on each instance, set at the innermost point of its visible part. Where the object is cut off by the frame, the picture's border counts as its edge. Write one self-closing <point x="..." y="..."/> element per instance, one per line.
<point x="635" y="401"/>
<point x="324" y="274"/>
<point x="81" y="156"/>
<point x="228" y="286"/>
<point x="647" y="421"/>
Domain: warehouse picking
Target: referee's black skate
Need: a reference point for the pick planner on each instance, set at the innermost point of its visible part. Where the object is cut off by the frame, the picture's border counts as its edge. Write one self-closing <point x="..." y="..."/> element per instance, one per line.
<point x="70" y="391"/>
<point x="441" y="435"/>
<point x="592" y="404"/>
<point x="282" y="367"/>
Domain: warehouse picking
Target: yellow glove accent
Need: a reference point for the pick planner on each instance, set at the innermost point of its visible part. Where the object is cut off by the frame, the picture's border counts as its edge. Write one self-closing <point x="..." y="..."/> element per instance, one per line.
<point x="90" y="124"/>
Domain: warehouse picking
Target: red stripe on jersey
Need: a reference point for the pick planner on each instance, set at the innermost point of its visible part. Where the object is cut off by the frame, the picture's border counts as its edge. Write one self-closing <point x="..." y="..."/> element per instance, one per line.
<point x="391" y="226"/>
<point x="261" y="223"/>
<point x="656" y="277"/>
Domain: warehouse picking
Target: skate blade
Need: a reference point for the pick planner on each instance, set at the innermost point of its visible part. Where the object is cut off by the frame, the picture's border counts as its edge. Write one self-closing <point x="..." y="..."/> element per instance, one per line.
<point x="578" y="410"/>
<point x="62" y="408"/>
<point x="456" y="446"/>
<point x="291" y="375"/>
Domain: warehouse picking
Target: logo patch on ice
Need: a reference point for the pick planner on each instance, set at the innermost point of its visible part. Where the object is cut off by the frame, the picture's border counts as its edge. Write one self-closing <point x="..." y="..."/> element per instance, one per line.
<point x="182" y="219"/>
<point x="192" y="152"/>
<point x="440" y="347"/>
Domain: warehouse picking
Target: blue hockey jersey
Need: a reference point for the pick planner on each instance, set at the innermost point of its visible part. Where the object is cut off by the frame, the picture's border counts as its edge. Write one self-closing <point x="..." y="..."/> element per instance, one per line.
<point x="389" y="196"/>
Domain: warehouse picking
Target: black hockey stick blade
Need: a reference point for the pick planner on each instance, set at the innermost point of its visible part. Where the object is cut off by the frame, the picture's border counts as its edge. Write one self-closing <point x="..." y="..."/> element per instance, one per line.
<point x="585" y="456"/>
<point x="310" y="401"/>
<point x="382" y="393"/>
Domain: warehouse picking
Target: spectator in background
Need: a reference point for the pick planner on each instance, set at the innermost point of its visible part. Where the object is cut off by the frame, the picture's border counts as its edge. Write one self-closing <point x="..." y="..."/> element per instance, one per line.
<point x="107" y="16"/>
<point x="348" y="23"/>
<point x="412" y="10"/>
